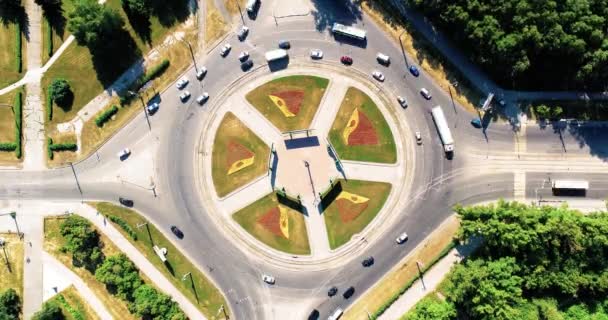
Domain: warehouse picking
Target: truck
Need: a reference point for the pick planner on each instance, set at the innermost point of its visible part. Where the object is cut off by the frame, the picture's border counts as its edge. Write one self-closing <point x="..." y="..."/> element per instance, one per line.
<point x="276" y="54"/>
<point x="443" y="129"/>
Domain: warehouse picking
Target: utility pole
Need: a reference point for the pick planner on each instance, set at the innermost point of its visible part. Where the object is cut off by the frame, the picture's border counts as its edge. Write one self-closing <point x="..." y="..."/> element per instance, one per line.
<point x="139" y="225"/>
<point x="143" y="104"/>
<point x="402" y="49"/>
<point x="3" y="245"/>
<point x="14" y="216"/>
<point x="220" y="310"/>
<point x="185" y="277"/>
<point x="191" y="51"/>
<point x="76" y="177"/>
<point x="419" y="265"/>
<point x="241" y="12"/>
<point x="455" y="84"/>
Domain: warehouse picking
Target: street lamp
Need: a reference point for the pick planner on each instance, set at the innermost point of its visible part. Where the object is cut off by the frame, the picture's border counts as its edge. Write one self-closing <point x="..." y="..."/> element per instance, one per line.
<point x="185" y="277"/>
<point x="14" y="216"/>
<point x="455" y="84"/>
<point x="241" y="12"/>
<point x="143" y="104"/>
<point x="191" y="51"/>
<point x="3" y="245"/>
<point x="402" y="49"/>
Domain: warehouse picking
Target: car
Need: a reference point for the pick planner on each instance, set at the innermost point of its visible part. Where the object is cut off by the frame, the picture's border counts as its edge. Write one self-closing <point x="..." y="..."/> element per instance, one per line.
<point x="383" y="59"/>
<point x="475" y="122"/>
<point x="336" y="314"/>
<point x="124" y="153"/>
<point x="402" y="101"/>
<point x="314" y="315"/>
<point x="332" y="291"/>
<point x="242" y="34"/>
<point x="125" y="202"/>
<point x="349" y="292"/>
<point x="284" y="44"/>
<point x="268" y="279"/>
<point x="378" y="75"/>
<point x="177" y="232"/>
<point x="425" y="93"/>
<point x="316" y="54"/>
<point x="346" y="60"/>
<point x="202" y="98"/>
<point x="414" y="70"/>
<point x="418" y="137"/>
<point x="244" y="56"/>
<point x="201" y="73"/>
<point x="152" y="108"/>
<point x="402" y="238"/>
<point x="246" y="65"/>
<point x="225" y="49"/>
<point x="367" y="262"/>
<point x="184" y="96"/>
<point x="182" y="83"/>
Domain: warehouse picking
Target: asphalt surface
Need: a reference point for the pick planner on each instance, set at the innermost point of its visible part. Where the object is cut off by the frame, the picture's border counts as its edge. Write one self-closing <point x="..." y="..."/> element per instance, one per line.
<point x="438" y="185"/>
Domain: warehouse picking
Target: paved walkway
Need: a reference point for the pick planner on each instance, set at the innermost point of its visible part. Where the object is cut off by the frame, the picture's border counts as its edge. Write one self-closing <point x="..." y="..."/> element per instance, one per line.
<point x="32" y="268"/>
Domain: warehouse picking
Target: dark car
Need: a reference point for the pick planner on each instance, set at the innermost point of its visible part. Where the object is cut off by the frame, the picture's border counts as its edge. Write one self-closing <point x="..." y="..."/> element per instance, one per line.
<point x="246" y="65"/>
<point x="349" y="292"/>
<point x="346" y="60"/>
<point x="177" y="232"/>
<point x="368" y="262"/>
<point x="125" y="202"/>
<point x="284" y="44"/>
<point x="414" y="71"/>
<point x="476" y="123"/>
<point x="332" y="291"/>
<point x="314" y="315"/>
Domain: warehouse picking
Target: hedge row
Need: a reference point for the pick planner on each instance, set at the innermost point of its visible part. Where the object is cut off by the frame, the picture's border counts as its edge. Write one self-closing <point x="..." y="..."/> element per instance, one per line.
<point x="48" y="36"/>
<point x="8" y="146"/>
<point x="51" y="147"/>
<point x="154" y="72"/>
<point x="408" y="284"/>
<point x="18" y="120"/>
<point x="105" y="116"/>
<point x="49" y="152"/>
<point x="49" y="104"/>
<point x="124" y="225"/>
<point x="76" y="314"/>
<point x="18" y="61"/>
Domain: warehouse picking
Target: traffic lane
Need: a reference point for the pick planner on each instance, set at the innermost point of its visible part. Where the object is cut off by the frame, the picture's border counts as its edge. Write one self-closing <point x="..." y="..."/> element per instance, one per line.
<point x="538" y="184"/>
<point x="562" y="138"/>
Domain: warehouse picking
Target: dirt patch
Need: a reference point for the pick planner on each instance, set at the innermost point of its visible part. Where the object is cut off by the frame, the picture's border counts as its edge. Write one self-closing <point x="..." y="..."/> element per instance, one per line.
<point x="364" y="132"/>
<point x="271" y="221"/>
<point x="349" y="210"/>
<point x="292" y="99"/>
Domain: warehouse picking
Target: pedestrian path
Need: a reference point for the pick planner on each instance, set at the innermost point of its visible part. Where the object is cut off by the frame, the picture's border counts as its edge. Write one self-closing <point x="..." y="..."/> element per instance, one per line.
<point x="329" y="106"/>
<point x="317" y="232"/>
<point x="371" y="171"/>
<point x="255" y="121"/>
<point x="32" y="268"/>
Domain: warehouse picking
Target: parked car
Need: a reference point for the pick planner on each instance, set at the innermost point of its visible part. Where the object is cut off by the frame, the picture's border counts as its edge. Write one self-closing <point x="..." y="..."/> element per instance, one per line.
<point x="418" y="137"/>
<point x="378" y="75"/>
<point x="332" y="291"/>
<point x="225" y="49"/>
<point x="184" y="96"/>
<point x="425" y="93"/>
<point x="242" y="34"/>
<point x="314" y="315"/>
<point x="402" y="238"/>
<point x="402" y="101"/>
<point x="246" y="65"/>
<point x="414" y="70"/>
<point x="336" y="314"/>
<point x="284" y="44"/>
<point x="268" y="279"/>
<point x="243" y="56"/>
<point x="124" y="153"/>
<point x="383" y="59"/>
<point x="476" y="123"/>
<point x="125" y="202"/>
<point x="201" y="73"/>
<point x="182" y="83"/>
<point x="368" y="261"/>
<point x="316" y="54"/>
<point x="177" y="232"/>
<point x="349" y="292"/>
<point x="152" y="108"/>
<point x="202" y="98"/>
<point x="346" y="60"/>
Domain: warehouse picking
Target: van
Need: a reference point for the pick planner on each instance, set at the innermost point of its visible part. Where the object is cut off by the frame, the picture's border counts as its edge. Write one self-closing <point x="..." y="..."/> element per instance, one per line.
<point x="252" y="6"/>
<point x="383" y="59"/>
<point x="336" y="314"/>
<point x="425" y="93"/>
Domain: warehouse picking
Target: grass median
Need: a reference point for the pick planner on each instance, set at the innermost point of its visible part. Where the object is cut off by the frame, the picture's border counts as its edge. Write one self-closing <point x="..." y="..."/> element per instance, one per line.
<point x="73" y="305"/>
<point x="201" y="291"/>
<point x="7" y="126"/>
<point x="8" y="58"/>
<point x="11" y="274"/>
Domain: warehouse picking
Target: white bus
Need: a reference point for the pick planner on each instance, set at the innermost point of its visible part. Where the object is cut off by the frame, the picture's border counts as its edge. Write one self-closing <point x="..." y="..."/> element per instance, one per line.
<point x="276" y="54"/>
<point x="444" y="130"/>
<point x="348" y="31"/>
<point x="570" y="187"/>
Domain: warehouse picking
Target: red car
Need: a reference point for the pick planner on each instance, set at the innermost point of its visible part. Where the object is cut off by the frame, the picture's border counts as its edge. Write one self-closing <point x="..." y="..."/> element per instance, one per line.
<point x="346" y="60"/>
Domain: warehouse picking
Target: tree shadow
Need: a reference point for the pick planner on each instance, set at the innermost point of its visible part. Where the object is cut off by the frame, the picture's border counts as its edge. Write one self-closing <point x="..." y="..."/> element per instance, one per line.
<point x="67" y="102"/>
<point x="113" y="56"/>
<point x="11" y="13"/>
<point x="54" y="14"/>
<point x="325" y="13"/>
<point x="169" y="267"/>
<point x="141" y="25"/>
<point x="170" y="13"/>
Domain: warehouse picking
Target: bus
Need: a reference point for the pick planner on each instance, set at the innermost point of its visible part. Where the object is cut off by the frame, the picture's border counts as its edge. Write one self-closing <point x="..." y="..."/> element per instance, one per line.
<point x="348" y="31"/>
<point x="276" y="54"/>
<point x="570" y="187"/>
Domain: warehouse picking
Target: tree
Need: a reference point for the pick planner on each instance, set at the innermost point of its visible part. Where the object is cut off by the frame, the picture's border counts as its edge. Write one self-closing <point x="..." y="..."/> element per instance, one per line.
<point x="543" y="111"/>
<point x="138" y="7"/>
<point x="49" y="311"/>
<point x="433" y="309"/>
<point x="10" y="3"/>
<point x="151" y="304"/>
<point x="120" y="275"/>
<point x="82" y="241"/>
<point x="92" y="24"/>
<point x="60" y="91"/>
<point x="10" y="305"/>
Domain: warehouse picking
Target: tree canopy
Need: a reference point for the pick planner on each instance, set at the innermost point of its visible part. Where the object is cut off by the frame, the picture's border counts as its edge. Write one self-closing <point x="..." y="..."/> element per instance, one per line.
<point x="120" y="275"/>
<point x="60" y="91"/>
<point x="92" y="24"/>
<point x="151" y="304"/>
<point x="10" y="305"/>
<point x="82" y="241"/>
<point x="530" y="44"/>
<point x="49" y="311"/>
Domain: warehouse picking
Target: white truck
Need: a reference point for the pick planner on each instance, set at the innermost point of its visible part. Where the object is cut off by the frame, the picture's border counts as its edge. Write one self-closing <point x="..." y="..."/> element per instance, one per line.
<point x="252" y="6"/>
<point x="444" y="130"/>
<point x="276" y="54"/>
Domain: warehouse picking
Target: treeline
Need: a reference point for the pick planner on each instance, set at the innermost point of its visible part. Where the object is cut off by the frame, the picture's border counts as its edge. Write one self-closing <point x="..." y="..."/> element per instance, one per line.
<point x="533" y="263"/>
<point x="527" y="44"/>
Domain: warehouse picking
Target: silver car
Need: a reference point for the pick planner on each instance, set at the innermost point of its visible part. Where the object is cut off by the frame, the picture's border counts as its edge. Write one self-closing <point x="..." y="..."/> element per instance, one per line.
<point x="225" y="49"/>
<point x="316" y="54"/>
<point x="184" y="96"/>
<point x="182" y="83"/>
<point x="202" y="98"/>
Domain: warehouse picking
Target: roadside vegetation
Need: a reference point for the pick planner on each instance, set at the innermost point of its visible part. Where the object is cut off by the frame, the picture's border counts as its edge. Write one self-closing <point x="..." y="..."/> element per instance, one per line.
<point x="12" y="50"/>
<point x="11" y="277"/>
<point x="72" y="305"/>
<point x="11" y="120"/>
<point x="533" y="263"/>
<point x="10" y="304"/>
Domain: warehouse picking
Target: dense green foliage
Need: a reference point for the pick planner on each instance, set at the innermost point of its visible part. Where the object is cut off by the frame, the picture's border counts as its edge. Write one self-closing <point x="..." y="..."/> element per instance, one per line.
<point x="93" y="24"/>
<point x="49" y="311"/>
<point x="10" y="305"/>
<point x="124" y="226"/>
<point x="106" y="115"/>
<point x="82" y="241"/>
<point x="154" y="72"/>
<point x="17" y="109"/>
<point x="432" y="309"/>
<point x="120" y="276"/>
<point x="75" y="313"/>
<point x="60" y="91"/>
<point x="530" y="44"/>
<point x="138" y="7"/>
<point x="51" y="147"/>
<point x="151" y="304"/>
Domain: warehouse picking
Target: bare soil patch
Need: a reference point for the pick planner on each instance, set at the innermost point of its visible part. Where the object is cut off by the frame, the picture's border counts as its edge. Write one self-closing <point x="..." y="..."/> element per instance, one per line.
<point x="364" y="133"/>
<point x="292" y="98"/>
<point x="272" y="221"/>
<point x="349" y="210"/>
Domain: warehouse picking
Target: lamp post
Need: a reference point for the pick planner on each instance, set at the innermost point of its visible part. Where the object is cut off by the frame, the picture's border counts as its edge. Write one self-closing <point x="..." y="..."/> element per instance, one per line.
<point x="3" y="245"/>
<point x="185" y="277"/>
<point x="241" y="12"/>
<point x="14" y="216"/>
<point x="402" y="49"/>
<point x="143" y="104"/>
<point x="191" y="51"/>
<point x="455" y="84"/>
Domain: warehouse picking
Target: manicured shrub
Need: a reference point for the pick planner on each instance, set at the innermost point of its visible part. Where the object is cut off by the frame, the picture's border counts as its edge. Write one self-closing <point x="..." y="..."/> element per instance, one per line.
<point x="8" y="146"/>
<point x="18" y="120"/>
<point x="124" y="225"/>
<point x="18" y="61"/>
<point x="154" y="72"/>
<point x="49" y="151"/>
<point x="105" y="116"/>
<point x="49" y="104"/>
<point x="60" y="91"/>
<point x="64" y="146"/>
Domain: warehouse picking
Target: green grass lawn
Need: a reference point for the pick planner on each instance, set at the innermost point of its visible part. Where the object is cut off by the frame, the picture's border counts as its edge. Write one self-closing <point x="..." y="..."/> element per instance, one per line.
<point x="232" y="129"/>
<point x="313" y="88"/>
<point x="384" y="152"/>
<point x="73" y="306"/>
<point x="7" y="126"/>
<point x="209" y="297"/>
<point x="8" y="71"/>
<point x="298" y="237"/>
<point x="13" y="277"/>
<point x="340" y="232"/>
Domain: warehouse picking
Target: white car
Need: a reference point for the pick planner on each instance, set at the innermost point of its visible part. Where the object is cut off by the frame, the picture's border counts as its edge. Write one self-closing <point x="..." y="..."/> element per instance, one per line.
<point x="378" y="75"/>
<point x="268" y="279"/>
<point x="182" y="83"/>
<point x="402" y="101"/>
<point x="201" y="73"/>
<point x="402" y="238"/>
<point x="124" y="153"/>
<point x="202" y="98"/>
<point x="425" y="93"/>
<point x="418" y="137"/>
<point x="242" y="34"/>
<point x="152" y="108"/>
<point x="225" y="49"/>
<point x="316" y="54"/>
<point x="243" y="56"/>
<point x="184" y="96"/>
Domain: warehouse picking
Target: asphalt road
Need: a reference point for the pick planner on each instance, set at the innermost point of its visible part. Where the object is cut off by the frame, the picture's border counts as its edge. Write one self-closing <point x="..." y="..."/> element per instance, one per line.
<point x="438" y="184"/>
